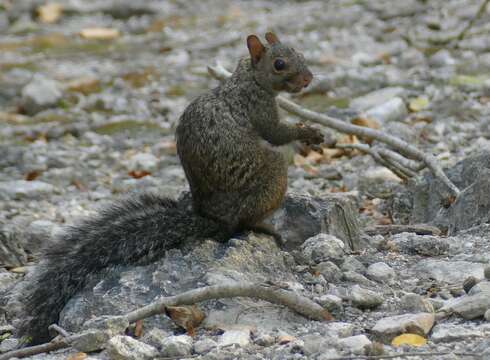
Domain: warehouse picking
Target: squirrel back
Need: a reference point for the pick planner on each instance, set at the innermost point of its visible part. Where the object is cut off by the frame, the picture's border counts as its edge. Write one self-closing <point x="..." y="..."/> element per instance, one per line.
<point x="225" y="141"/>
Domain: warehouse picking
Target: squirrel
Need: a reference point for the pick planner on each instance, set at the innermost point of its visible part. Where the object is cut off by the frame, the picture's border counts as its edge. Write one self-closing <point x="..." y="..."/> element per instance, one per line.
<point x="225" y="142"/>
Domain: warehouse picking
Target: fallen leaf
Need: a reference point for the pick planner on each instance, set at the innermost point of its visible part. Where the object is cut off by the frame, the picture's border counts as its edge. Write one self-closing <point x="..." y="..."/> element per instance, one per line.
<point x="49" y="13"/>
<point x="31" y="175"/>
<point x="77" y="356"/>
<point x="138" y="174"/>
<point x="285" y="339"/>
<point x="409" y="339"/>
<point x="187" y="317"/>
<point x="138" y="328"/>
<point x="84" y="85"/>
<point x="18" y="270"/>
<point x="366" y="122"/>
<point x="418" y="104"/>
<point x="99" y="33"/>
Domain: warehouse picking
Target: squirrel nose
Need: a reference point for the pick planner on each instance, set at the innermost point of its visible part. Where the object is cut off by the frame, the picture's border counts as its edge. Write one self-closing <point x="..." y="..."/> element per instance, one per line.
<point x="307" y="79"/>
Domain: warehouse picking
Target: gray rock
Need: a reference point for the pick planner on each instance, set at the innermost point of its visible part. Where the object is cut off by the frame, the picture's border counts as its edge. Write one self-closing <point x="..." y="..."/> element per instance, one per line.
<point x="112" y="324"/>
<point x="240" y="337"/>
<point x="430" y="196"/>
<point x="330" y="271"/>
<point x="330" y="302"/>
<point x="364" y="298"/>
<point x="352" y="264"/>
<point x="481" y="286"/>
<point x="376" y="98"/>
<point x="378" y="181"/>
<point x="416" y="303"/>
<point x="380" y="272"/>
<point x="468" y="307"/>
<point x="19" y="189"/>
<point x="265" y="340"/>
<point x="356" y="345"/>
<point x="392" y="110"/>
<point x="41" y="93"/>
<point x="389" y="327"/>
<point x="452" y="272"/>
<point x="357" y="278"/>
<point x="155" y="337"/>
<point x="180" y="345"/>
<point x="301" y="217"/>
<point x="486" y="272"/>
<point x="323" y="247"/>
<point x="143" y="162"/>
<point x="314" y="344"/>
<point x="451" y="333"/>
<point x="442" y="58"/>
<point x="204" y="346"/>
<point x="426" y="245"/>
<point x="487" y="315"/>
<point x="126" y="348"/>
<point x="8" y="344"/>
<point x="91" y="340"/>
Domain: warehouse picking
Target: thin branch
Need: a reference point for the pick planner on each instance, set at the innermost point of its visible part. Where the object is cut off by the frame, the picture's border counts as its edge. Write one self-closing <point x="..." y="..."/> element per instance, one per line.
<point x="37" y="349"/>
<point x="479" y="13"/>
<point x="59" y="330"/>
<point x="376" y="156"/>
<point x="220" y="73"/>
<point x="419" y="229"/>
<point x="295" y="302"/>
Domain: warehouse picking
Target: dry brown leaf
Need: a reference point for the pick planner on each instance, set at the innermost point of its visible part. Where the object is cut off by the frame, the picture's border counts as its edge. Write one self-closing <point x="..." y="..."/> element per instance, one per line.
<point x="138" y="328"/>
<point x="285" y="339"/>
<point x="32" y="175"/>
<point x="99" y="33"/>
<point x="84" y="85"/>
<point x="187" y="317"/>
<point x="77" y="356"/>
<point x="366" y="122"/>
<point x="138" y="174"/>
<point x="49" y="13"/>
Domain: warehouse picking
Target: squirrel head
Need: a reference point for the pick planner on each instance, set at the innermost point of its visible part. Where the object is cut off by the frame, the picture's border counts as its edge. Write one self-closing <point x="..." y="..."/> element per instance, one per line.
<point x="278" y="67"/>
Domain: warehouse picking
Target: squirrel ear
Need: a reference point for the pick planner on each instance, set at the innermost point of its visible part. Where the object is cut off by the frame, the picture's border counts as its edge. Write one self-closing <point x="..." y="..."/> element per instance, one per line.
<point x="271" y="38"/>
<point x="255" y="48"/>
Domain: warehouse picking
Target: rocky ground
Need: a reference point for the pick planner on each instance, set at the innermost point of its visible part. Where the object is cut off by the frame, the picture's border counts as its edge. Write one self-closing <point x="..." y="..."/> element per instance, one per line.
<point x="86" y="117"/>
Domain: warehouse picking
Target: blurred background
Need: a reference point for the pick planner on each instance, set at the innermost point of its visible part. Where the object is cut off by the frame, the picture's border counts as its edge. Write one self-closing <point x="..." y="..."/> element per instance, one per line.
<point x="90" y="91"/>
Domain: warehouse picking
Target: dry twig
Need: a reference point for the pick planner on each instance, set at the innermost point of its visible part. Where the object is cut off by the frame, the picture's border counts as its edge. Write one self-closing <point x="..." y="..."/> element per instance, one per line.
<point x="404" y="148"/>
<point x="276" y="295"/>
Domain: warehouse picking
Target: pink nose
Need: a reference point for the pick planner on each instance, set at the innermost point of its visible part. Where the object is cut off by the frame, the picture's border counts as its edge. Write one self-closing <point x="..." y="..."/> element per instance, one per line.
<point x="307" y="79"/>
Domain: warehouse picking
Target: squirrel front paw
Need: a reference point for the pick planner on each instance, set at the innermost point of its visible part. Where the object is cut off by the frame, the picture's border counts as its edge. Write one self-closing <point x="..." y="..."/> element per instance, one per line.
<point x="310" y="135"/>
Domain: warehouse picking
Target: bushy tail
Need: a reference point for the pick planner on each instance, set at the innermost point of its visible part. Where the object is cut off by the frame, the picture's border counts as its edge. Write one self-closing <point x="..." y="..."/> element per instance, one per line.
<point x="136" y="230"/>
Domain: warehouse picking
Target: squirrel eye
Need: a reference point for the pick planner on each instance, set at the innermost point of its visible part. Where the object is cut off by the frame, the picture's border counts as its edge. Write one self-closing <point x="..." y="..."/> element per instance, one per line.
<point x="279" y="64"/>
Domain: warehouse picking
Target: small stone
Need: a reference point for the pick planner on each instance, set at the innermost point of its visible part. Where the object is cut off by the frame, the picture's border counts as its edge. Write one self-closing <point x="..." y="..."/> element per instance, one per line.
<point x="481" y="286"/>
<point x="416" y="303"/>
<point x="469" y="307"/>
<point x="113" y="324"/>
<point x="204" y="346"/>
<point x="122" y="347"/>
<point x="330" y="302"/>
<point x="486" y="272"/>
<point x="174" y="346"/>
<point x="447" y="271"/>
<point x="357" y="278"/>
<point x="356" y="345"/>
<point x="285" y="339"/>
<point x="380" y="272"/>
<point x="155" y="337"/>
<point x="19" y="189"/>
<point x="91" y="340"/>
<point x="237" y="337"/>
<point x="143" y="162"/>
<point x="378" y="181"/>
<point x="323" y="247"/>
<point x="469" y="283"/>
<point x="442" y="58"/>
<point x="352" y="264"/>
<point x="364" y="298"/>
<point x="265" y="340"/>
<point x="389" y="327"/>
<point x="426" y="245"/>
<point x="314" y="344"/>
<point x="487" y="315"/>
<point x="450" y="333"/>
<point x="330" y="271"/>
<point x="8" y="344"/>
<point x="376" y="98"/>
<point x="392" y="110"/>
<point x="40" y="94"/>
